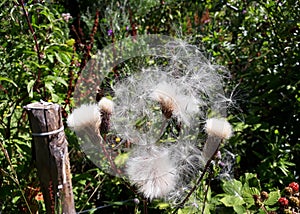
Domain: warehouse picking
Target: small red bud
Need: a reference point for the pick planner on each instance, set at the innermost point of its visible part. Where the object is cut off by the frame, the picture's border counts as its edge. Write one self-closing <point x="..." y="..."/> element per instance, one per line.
<point x="294" y="186"/>
<point x="283" y="201"/>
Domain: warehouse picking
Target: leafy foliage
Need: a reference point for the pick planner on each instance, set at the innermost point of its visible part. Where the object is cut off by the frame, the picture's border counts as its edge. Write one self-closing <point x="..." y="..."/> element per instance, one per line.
<point x="32" y="68"/>
<point x="243" y="195"/>
<point x="43" y="54"/>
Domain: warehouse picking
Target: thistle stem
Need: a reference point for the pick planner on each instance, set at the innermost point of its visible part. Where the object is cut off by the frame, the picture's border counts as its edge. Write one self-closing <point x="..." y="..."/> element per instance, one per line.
<point x="145" y="202"/>
<point x="206" y="191"/>
<point x="198" y="181"/>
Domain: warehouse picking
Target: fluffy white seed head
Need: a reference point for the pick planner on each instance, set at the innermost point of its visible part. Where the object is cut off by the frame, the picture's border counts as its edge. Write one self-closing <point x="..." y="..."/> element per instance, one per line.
<point x="106" y="105"/>
<point x="87" y="115"/>
<point x="153" y="172"/>
<point x="218" y="127"/>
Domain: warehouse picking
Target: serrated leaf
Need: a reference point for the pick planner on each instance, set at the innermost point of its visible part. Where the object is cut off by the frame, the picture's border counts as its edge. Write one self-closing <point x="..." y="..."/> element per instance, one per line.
<point x="248" y="195"/>
<point x="273" y="198"/>
<point x="248" y="198"/>
<point x="239" y="209"/>
<point x="233" y="187"/>
<point x="230" y="200"/>
<point x="249" y="181"/>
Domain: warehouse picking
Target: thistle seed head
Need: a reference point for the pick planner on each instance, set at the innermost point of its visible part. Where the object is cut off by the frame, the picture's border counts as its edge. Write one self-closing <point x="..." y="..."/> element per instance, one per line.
<point x="218" y="127"/>
<point x="87" y="115"/>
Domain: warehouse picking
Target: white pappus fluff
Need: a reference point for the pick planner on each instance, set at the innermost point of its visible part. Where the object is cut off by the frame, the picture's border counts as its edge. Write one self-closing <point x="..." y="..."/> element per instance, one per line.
<point x="185" y="90"/>
<point x="106" y="105"/>
<point x="87" y="115"/>
<point x="153" y="172"/>
<point x="218" y="127"/>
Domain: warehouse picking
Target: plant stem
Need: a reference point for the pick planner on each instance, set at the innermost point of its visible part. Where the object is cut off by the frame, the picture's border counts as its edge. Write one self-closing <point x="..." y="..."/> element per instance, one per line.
<point x="198" y="181"/>
<point x="21" y="2"/>
<point x="206" y="191"/>
<point x="145" y="202"/>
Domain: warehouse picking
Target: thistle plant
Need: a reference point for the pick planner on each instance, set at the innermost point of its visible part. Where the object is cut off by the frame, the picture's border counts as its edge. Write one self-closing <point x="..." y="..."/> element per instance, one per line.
<point x="167" y="108"/>
<point x="170" y="119"/>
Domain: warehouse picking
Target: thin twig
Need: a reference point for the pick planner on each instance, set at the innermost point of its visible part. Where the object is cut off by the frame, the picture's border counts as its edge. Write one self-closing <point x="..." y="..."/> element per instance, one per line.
<point x="21" y="2"/>
<point x="92" y="195"/>
<point x="206" y="191"/>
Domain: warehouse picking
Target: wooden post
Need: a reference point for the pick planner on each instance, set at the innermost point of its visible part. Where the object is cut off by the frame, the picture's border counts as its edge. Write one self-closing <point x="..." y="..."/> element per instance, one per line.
<point x="51" y="156"/>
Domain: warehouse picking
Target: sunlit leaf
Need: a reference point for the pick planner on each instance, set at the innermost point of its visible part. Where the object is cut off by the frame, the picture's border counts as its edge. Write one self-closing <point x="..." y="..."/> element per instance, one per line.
<point x="30" y="88"/>
<point x="8" y="80"/>
<point x="273" y="198"/>
<point x="230" y="200"/>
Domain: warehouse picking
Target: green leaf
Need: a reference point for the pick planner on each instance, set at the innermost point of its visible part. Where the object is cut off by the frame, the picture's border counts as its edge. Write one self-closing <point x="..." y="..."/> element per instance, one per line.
<point x="162" y="206"/>
<point x="30" y="88"/>
<point x="49" y="86"/>
<point x="233" y="187"/>
<point x="184" y="211"/>
<point x="54" y="79"/>
<point x="58" y="57"/>
<point x="66" y="58"/>
<point x="8" y="80"/>
<point x="22" y="146"/>
<point x="70" y="42"/>
<point x="3" y="2"/>
<point x="248" y="196"/>
<point x="273" y="198"/>
<point x="54" y="98"/>
<point x="50" y="58"/>
<point x="250" y="180"/>
<point x="15" y="199"/>
<point x="239" y="209"/>
<point x="230" y="200"/>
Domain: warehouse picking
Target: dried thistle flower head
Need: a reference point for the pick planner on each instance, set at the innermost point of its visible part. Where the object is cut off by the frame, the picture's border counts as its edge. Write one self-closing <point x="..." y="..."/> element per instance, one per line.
<point x="168" y="105"/>
<point x="153" y="172"/>
<point x="87" y="115"/>
<point x="174" y="102"/>
<point x="218" y="127"/>
<point x="106" y="105"/>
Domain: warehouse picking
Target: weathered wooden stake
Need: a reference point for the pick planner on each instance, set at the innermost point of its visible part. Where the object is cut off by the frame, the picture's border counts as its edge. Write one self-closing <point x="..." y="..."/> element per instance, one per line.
<point x="51" y="156"/>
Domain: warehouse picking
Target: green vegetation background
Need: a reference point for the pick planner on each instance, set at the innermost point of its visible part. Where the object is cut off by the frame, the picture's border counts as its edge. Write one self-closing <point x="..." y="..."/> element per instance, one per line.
<point x="43" y="52"/>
